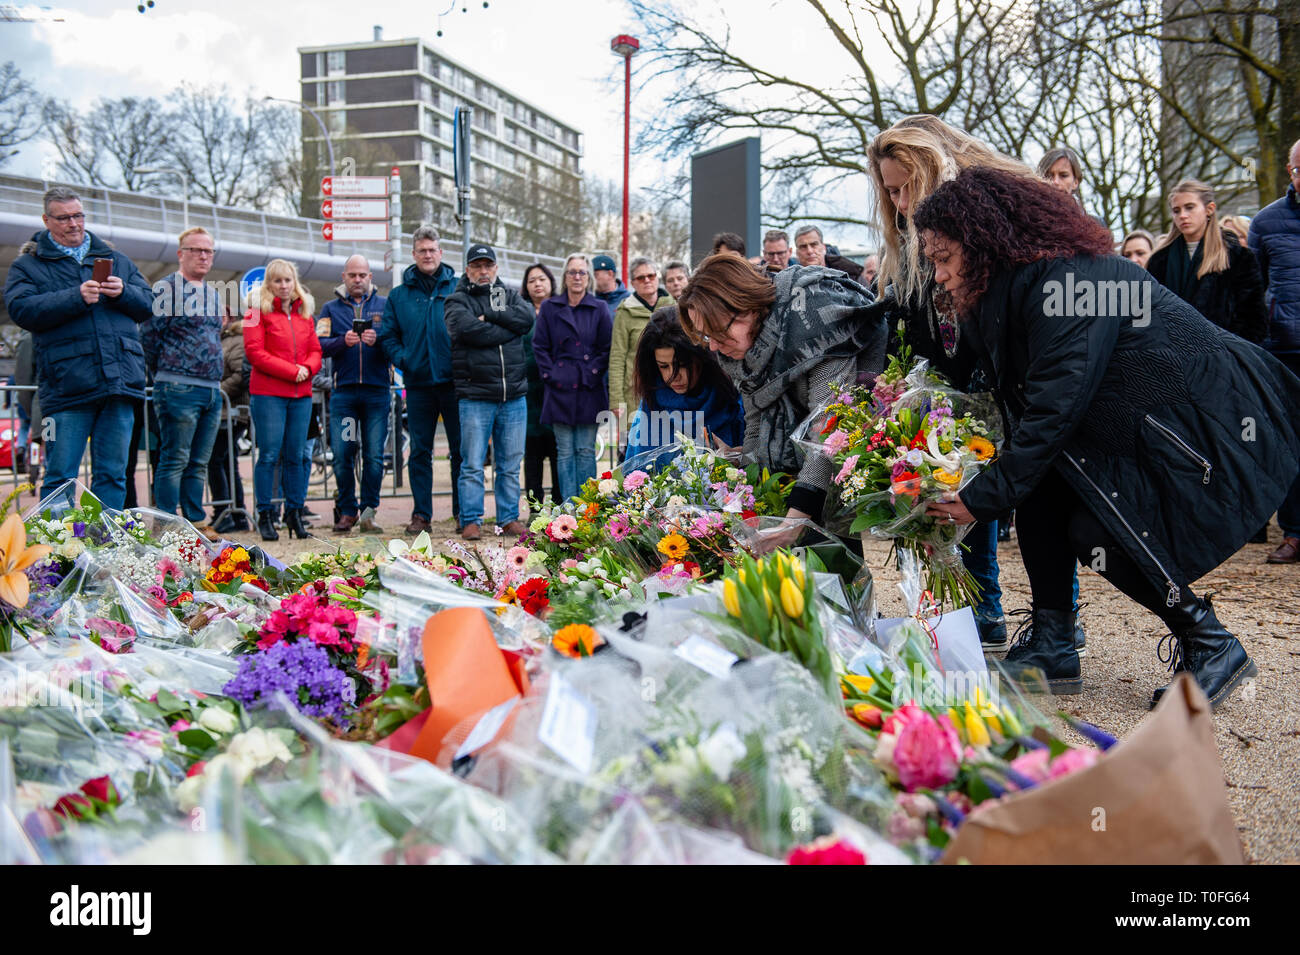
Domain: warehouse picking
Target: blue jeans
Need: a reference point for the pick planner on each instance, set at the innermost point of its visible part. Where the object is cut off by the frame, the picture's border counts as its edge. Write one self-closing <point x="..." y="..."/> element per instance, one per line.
<point x="575" y="451"/>
<point x="281" y="430"/>
<point x="982" y="561"/>
<point x="189" y="417"/>
<point x="359" y="419"/>
<point x="506" y="423"/>
<point x="423" y="408"/>
<point x="107" y="426"/>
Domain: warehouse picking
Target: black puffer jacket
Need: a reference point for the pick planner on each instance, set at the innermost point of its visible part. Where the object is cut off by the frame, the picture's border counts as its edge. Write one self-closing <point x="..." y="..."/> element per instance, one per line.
<point x="1179" y="437"/>
<point x="487" y="324"/>
<point x="1232" y="299"/>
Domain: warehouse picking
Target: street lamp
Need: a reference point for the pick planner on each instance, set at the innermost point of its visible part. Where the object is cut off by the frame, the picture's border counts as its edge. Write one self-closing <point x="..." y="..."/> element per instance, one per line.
<point x="185" y="185"/>
<point x="625" y="46"/>
<point x="329" y="143"/>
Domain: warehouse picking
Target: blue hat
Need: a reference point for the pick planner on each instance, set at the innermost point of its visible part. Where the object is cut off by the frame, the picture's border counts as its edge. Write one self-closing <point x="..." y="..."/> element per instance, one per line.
<point x="480" y="252"/>
<point x="603" y="263"/>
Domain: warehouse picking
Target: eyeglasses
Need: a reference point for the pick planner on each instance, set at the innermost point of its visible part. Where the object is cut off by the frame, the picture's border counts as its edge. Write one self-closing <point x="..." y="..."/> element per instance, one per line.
<point x="779" y="255"/>
<point x="1293" y="171"/>
<point x="648" y="277"/>
<point x="576" y="273"/>
<point x="705" y="338"/>
<point x="195" y="251"/>
<point x="70" y="217"/>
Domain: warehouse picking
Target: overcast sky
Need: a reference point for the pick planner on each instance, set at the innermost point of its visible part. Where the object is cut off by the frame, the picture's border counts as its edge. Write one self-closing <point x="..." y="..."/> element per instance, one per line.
<point x="554" y="53"/>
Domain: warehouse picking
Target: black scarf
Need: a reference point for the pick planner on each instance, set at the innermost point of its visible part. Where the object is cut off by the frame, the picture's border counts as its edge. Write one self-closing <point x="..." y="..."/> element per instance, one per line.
<point x="1180" y="276"/>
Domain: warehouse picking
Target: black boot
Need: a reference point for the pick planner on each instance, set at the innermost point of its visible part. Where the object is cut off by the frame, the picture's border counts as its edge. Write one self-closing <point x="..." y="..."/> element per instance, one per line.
<point x="1045" y="643"/>
<point x="293" y="521"/>
<point x="266" y="525"/>
<point x="1203" y="647"/>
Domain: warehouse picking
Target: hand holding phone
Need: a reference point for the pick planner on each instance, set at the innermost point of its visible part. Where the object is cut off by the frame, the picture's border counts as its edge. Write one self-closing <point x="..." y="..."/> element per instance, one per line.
<point x="101" y="270"/>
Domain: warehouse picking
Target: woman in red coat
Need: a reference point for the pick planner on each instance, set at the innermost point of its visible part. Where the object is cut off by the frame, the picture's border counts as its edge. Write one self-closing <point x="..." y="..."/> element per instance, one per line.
<point x="281" y="344"/>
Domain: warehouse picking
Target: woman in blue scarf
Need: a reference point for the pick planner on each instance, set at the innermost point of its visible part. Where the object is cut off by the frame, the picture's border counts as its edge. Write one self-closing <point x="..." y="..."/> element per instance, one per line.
<point x="681" y="389"/>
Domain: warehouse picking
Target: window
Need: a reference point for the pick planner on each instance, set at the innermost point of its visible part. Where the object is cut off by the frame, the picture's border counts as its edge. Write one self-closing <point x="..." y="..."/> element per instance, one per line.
<point x="430" y="63"/>
<point x="336" y="92"/>
<point x="428" y="94"/>
<point x="321" y="99"/>
<point x="432" y="153"/>
<point x="336" y="63"/>
<point x="336" y="121"/>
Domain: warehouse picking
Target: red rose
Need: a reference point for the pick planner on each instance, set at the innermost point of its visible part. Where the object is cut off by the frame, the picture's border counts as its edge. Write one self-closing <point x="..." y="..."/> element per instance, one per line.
<point x="607" y="475"/>
<point x="101" y="788"/>
<point x="74" y="806"/>
<point x="196" y="768"/>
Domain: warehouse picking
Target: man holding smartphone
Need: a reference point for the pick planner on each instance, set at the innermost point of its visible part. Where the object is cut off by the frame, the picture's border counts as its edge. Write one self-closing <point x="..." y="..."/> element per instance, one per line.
<point x="360" y="403"/>
<point x="84" y="319"/>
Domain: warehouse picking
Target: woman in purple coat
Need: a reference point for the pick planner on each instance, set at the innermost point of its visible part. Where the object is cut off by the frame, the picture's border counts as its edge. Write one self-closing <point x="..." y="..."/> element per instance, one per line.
<point x="571" y="342"/>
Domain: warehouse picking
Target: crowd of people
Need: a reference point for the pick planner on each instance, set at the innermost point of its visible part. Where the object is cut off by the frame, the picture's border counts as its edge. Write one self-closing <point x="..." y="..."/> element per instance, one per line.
<point x="1163" y="434"/>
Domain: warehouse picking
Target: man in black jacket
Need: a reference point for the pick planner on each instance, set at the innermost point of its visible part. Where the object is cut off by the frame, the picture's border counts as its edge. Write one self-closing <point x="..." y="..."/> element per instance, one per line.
<point x="487" y="323"/>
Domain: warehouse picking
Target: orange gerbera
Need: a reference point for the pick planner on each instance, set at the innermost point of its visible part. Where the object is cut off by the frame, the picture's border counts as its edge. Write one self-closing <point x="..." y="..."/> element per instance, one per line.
<point x="907" y="482"/>
<point x="577" y="640"/>
<point x="592" y="510"/>
<point x="982" y="447"/>
<point x="674" y="546"/>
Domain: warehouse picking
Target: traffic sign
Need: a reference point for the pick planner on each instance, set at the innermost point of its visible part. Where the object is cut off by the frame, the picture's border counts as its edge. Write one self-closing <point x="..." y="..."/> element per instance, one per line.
<point x="354" y="209"/>
<point x="354" y="186"/>
<point x="361" y="230"/>
<point x="251" y="279"/>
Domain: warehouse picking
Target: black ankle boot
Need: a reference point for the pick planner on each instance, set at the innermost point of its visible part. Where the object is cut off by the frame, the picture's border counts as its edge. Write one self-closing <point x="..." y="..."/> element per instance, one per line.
<point x="266" y="525"/>
<point x="1045" y="642"/>
<point x="293" y="521"/>
<point x="1201" y="645"/>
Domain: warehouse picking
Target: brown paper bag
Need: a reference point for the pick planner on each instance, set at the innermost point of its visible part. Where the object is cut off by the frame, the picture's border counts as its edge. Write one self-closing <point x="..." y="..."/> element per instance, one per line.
<point x="1156" y="798"/>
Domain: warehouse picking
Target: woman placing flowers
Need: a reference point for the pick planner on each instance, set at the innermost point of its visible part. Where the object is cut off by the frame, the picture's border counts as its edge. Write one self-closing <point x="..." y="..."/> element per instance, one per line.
<point x="1125" y="415"/>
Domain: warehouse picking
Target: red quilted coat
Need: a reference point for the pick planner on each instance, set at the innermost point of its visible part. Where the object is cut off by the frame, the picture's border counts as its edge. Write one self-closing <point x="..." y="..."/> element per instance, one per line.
<point x="276" y="344"/>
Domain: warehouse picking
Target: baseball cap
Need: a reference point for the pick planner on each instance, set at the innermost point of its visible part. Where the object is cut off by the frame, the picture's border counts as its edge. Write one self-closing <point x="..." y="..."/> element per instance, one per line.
<point x="481" y="252"/>
<point x="603" y="263"/>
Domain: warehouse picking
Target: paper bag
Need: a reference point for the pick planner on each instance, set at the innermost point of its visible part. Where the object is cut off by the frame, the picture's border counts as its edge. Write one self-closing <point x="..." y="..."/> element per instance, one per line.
<point x="1156" y="798"/>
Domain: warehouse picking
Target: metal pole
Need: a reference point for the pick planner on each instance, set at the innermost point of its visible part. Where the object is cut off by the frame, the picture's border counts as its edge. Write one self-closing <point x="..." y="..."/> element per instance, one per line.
<point x="395" y="223"/>
<point x="627" y="145"/>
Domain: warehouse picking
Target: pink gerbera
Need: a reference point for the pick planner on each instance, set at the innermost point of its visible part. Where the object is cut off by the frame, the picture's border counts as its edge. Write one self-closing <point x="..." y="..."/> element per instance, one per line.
<point x="620" y="527"/>
<point x="562" y="528"/>
<point x="635" y="480"/>
<point x="850" y="463"/>
<point x="517" y="556"/>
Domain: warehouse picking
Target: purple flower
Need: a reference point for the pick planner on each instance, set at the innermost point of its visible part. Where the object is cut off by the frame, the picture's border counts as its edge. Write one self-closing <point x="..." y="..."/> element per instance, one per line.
<point x="78" y="528"/>
<point x="303" y="671"/>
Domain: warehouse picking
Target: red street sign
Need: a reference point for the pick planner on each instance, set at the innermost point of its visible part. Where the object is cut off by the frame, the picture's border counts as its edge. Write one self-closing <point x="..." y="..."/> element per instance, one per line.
<point x="354" y="209"/>
<point x="354" y="186"/>
<point x="355" y="231"/>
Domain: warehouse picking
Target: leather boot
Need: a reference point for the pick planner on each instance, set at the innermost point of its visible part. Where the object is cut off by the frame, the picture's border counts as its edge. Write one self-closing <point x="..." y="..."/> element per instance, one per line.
<point x="293" y="521"/>
<point x="1202" y="646"/>
<point x="1045" y="643"/>
<point x="266" y="526"/>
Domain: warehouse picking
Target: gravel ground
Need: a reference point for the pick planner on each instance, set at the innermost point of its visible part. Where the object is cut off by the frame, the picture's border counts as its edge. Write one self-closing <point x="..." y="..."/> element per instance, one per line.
<point x="1258" y="729"/>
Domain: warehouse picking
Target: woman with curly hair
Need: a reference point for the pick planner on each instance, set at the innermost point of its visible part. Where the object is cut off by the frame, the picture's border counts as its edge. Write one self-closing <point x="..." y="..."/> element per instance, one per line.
<point x="1124" y="410"/>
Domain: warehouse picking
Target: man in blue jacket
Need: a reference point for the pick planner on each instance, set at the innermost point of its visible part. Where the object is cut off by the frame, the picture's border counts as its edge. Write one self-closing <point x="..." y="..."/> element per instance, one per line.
<point x="89" y="361"/>
<point x="360" y="402"/>
<point x="413" y="334"/>
<point x="1275" y="239"/>
<point x="609" y="287"/>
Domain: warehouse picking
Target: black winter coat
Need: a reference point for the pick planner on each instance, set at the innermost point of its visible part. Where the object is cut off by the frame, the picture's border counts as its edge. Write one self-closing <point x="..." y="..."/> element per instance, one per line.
<point x="487" y="325"/>
<point x="1178" y="436"/>
<point x="1232" y="299"/>
<point x="84" y="353"/>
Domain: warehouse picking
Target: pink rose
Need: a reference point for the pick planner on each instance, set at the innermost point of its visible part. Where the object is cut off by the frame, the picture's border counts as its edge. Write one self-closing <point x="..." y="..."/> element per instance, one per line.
<point x="927" y="753"/>
<point x="635" y="480"/>
<point x="850" y="463"/>
<point x="837" y="442"/>
<point x="1071" y="761"/>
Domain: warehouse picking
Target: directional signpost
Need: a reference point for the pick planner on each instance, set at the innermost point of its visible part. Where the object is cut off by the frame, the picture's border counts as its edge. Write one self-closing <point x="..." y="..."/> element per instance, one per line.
<point x="356" y="208"/>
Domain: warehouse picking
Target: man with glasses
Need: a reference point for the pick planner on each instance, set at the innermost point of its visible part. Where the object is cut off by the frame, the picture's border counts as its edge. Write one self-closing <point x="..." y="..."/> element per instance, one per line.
<point x="89" y="361"/>
<point x="182" y="351"/>
<point x="630" y="319"/>
<point x="776" y="252"/>
<point x="1275" y="239"/>
<point x="413" y="334"/>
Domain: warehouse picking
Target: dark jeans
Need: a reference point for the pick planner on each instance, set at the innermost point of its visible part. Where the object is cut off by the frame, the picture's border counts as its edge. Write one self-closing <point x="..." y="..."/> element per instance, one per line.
<point x="359" y="420"/>
<point x="981" y="559"/>
<point x="219" y="469"/>
<point x="280" y="427"/>
<point x="1288" y="514"/>
<point x="423" y="408"/>
<point x="107" y="426"/>
<point x="539" y="448"/>
<point x="188" y="419"/>
<point x="144" y="416"/>
<point x="1055" y="530"/>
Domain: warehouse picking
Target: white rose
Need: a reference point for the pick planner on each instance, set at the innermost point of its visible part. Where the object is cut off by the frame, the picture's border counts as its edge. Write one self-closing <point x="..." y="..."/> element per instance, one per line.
<point x="676" y="501"/>
<point x="189" y="792"/>
<point x="258" y="747"/>
<point x="720" y="751"/>
<point x="216" y="720"/>
<point x="607" y="487"/>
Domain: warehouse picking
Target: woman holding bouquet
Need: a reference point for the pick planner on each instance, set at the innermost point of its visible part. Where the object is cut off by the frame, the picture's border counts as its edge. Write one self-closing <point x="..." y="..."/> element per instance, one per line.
<point x="1143" y="439"/>
<point x="783" y="341"/>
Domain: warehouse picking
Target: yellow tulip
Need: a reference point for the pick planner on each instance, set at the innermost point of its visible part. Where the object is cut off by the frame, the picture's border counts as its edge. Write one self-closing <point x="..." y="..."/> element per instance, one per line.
<point x="740" y="575"/>
<point x="862" y="684"/>
<point x="956" y="721"/>
<point x="991" y="718"/>
<point x="1012" y="722"/>
<point x="796" y="571"/>
<point x="791" y="599"/>
<point x="767" y="597"/>
<point x="976" y="732"/>
<point x="15" y="557"/>
<point x="731" y="597"/>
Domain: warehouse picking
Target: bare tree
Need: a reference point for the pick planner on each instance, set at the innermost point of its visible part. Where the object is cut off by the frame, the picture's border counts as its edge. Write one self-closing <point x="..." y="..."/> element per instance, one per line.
<point x="215" y="140"/>
<point x="82" y="156"/>
<point x="19" y="110"/>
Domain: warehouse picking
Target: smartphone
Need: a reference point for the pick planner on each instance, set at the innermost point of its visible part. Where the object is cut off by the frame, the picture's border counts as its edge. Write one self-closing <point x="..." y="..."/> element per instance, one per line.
<point x="103" y="268"/>
<point x="359" y="325"/>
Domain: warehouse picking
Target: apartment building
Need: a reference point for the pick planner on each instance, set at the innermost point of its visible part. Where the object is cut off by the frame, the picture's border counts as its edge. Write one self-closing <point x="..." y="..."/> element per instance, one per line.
<point x="393" y="102"/>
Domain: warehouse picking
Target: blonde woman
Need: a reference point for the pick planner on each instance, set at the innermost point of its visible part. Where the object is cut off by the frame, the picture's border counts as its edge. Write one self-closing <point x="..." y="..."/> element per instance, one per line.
<point x="1206" y="266"/>
<point x="281" y="344"/>
<point x="908" y="162"/>
<point x="1137" y="247"/>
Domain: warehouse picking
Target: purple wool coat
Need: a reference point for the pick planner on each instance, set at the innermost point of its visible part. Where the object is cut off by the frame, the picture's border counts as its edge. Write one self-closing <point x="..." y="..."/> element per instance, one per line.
<point x="571" y="344"/>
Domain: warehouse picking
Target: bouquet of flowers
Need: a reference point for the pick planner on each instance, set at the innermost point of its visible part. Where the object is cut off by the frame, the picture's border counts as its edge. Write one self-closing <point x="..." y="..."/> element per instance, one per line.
<point x="230" y="570"/>
<point x="897" y="448"/>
